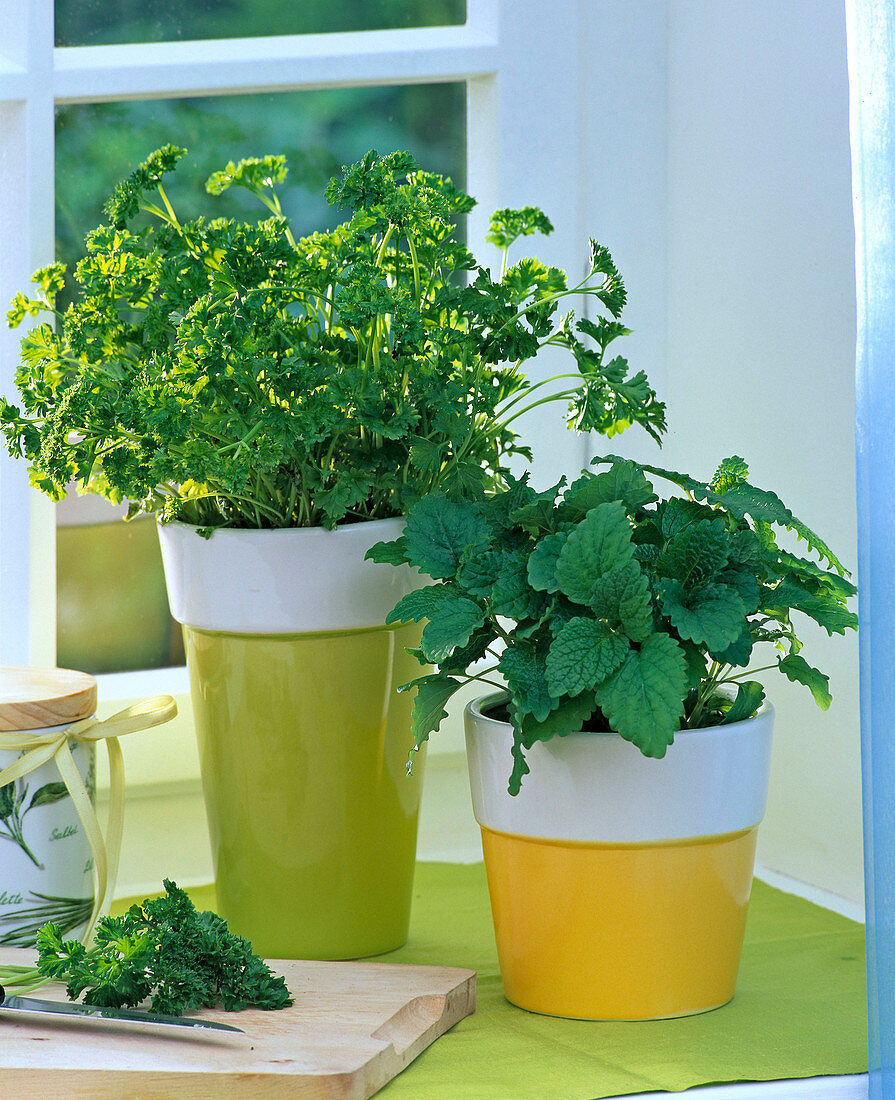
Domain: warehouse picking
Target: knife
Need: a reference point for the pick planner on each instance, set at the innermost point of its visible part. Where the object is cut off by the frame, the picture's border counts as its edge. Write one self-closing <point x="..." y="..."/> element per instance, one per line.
<point x="134" y="1019"/>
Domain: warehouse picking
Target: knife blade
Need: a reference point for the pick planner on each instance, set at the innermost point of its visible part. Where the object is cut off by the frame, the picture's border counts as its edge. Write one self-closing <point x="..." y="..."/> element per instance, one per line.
<point x="132" y="1018"/>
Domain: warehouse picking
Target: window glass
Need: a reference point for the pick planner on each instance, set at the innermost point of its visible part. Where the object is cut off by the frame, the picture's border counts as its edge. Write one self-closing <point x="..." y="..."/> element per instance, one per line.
<point x="98" y="144"/>
<point x="98" y="22"/>
<point x="112" y="608"/>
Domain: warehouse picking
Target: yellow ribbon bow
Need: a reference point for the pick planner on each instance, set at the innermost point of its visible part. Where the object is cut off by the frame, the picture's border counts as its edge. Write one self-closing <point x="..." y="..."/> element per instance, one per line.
<point x="40" y="745"/>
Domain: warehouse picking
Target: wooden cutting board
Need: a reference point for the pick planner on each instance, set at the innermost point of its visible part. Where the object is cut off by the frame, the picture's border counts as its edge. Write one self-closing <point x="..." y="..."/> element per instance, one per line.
<point x="353" y="1027"/>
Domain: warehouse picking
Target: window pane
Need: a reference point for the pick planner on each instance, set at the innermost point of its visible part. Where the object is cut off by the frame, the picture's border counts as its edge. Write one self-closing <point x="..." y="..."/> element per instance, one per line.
<point x="96" y="22"/>
<point x="111" y="598"/>
<point x="99" y="144"/>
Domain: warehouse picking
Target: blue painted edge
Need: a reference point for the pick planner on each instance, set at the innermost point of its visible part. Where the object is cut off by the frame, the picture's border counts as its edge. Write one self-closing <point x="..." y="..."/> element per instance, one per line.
<point x="871" y="62"/>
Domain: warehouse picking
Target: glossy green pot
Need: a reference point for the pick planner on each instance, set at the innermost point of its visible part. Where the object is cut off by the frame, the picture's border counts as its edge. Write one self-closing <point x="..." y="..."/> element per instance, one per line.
<point x="303" y="740"/>
<point x="303" y="745"/>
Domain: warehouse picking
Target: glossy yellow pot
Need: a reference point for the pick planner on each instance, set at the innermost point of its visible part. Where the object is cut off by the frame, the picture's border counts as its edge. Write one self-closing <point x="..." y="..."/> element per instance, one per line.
<point x="303" y="738"/>
<point x="620" y="884"/>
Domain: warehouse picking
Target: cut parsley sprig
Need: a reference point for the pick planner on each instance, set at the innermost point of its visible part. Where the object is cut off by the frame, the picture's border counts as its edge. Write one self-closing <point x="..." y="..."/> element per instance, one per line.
<point x="165" y="949"/>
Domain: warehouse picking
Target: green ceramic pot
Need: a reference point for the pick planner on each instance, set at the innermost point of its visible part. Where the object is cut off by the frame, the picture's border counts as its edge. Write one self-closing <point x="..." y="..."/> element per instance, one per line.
<point x="303" y="747"/>
<point x="303" y="739"/>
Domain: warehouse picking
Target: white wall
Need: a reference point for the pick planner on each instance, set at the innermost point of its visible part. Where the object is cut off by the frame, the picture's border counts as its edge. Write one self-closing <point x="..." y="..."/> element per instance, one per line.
<point x="718" y="174"/>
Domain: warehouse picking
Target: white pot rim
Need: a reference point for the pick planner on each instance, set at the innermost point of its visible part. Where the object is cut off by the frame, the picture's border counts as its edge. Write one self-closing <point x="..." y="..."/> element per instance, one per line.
<point x="318" y="531"/>
<point x="598" y="788"/>
<point x="291" y="580"/>
<point x="479" y="705"/>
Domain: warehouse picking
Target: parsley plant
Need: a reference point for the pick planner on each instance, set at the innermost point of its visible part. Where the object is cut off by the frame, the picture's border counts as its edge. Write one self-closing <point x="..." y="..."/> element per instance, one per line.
<point x="222" y="372"/>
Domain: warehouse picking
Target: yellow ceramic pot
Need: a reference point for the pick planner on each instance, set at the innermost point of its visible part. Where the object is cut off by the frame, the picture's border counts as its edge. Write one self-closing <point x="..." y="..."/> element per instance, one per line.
<point x="620" y="884"/>
<point x="303" y="739"/>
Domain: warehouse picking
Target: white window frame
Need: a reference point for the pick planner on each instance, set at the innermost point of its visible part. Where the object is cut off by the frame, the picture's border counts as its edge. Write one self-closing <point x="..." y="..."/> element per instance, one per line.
<point x="519" y="59"/>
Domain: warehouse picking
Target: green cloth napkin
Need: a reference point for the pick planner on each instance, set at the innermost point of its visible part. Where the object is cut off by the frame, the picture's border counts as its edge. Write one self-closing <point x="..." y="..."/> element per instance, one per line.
<point x="799" y="1009"/>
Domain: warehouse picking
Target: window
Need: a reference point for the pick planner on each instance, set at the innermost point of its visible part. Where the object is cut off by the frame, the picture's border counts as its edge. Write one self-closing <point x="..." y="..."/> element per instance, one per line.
<point x="493" y="53"/>
<point x="97" y="22"/>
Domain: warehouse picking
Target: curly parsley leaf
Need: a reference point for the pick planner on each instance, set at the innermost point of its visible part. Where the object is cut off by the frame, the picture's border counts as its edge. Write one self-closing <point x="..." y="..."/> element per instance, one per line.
<point x="167" y="950"/>
<point x="222" y="373"/>
<point x="508" y="225"/>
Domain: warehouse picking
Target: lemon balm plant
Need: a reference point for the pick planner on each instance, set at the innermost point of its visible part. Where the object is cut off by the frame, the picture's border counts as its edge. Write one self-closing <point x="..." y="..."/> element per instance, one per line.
<point x="224" y="373"/>
<point x="606" y="607"/>
<point x="629" y="630"/>
<point x="290" y="399"/>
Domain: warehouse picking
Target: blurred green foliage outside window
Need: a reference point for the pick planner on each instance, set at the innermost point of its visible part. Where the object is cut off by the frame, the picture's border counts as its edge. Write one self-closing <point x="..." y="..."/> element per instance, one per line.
<point x="96" y="22"/>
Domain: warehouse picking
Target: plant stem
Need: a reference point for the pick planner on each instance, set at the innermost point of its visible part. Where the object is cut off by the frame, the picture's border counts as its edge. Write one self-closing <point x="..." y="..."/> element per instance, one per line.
<point x="748" y="672"/>
<point x="704" y="693"/>
<point x="532" y="387"/>
<point x="561" y="395"/>
<point x="417" y="292"/>
<point x="484" y="680"/>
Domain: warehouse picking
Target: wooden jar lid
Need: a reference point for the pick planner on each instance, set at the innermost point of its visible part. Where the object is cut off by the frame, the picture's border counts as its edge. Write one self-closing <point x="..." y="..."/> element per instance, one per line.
<point x="32" y="698"/>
